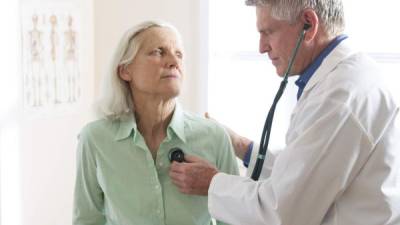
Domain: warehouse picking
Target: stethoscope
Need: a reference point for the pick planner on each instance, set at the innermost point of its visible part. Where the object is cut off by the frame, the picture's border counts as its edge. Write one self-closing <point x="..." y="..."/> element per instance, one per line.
<point x="176" y="154"/>
<point x="268" y="122"/>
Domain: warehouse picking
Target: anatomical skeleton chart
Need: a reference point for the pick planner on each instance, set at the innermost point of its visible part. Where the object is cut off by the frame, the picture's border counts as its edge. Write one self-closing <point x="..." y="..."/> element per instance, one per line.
<point x="50" y="52"/>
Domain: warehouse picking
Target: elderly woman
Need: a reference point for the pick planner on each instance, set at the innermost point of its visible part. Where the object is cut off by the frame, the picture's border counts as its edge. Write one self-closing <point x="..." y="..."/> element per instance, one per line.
<point x="122" y="164"/>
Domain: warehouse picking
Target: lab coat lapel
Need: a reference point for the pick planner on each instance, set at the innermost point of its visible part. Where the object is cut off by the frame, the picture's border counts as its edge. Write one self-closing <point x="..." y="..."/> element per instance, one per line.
<point x="340" y="53"/>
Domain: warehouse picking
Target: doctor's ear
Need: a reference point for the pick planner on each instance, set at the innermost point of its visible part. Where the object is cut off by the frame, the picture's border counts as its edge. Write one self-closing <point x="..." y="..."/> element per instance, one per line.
<point x="123" y="73"/>
<point x="311" y="22"/>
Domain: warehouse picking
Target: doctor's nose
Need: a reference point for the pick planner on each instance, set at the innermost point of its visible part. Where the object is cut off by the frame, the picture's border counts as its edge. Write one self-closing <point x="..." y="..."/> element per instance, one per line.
<point x="264" y="46"/>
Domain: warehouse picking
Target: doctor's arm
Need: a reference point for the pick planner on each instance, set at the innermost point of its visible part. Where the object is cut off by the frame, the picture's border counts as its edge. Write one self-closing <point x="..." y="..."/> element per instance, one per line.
<point x="303" y="184"/>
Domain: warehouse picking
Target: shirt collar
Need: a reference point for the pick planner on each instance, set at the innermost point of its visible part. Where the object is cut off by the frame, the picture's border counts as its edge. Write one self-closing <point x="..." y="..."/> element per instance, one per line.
<point x="128" y="126"/>
<point x="302" y="81"/>
<point x="177" y="124"/>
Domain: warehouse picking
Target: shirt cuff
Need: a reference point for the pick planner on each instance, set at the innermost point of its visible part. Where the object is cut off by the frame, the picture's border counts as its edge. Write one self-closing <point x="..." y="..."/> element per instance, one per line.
<point x="247" y="156"/>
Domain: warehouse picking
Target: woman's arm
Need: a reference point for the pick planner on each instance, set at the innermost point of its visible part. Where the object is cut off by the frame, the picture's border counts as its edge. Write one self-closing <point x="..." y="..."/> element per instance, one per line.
<point x="88" y="195"/>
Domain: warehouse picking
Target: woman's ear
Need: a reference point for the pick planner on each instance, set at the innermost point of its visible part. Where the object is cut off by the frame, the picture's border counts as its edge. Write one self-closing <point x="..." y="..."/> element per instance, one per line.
<point x="123" y="73"/>
<point x="311" y="18"/>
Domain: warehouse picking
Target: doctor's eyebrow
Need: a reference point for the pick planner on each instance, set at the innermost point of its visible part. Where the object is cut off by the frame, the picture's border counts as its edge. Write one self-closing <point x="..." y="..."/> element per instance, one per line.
<point x="266" y="31"/>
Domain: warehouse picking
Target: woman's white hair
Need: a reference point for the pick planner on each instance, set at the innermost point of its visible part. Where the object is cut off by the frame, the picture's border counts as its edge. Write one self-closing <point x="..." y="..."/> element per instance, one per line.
<point x="116" y="97"/>
<point x="330" y="12"/>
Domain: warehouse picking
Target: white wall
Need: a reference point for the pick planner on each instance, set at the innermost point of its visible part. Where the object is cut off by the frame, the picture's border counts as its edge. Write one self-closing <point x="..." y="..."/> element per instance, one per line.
<point x="9" y="55"/>
<point x="112" y="19"/>
<point x="38" y="164"/>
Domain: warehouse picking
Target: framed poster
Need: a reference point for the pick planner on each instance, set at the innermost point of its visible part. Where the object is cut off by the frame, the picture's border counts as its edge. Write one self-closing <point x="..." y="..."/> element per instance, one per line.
<point x="50" y="56"/>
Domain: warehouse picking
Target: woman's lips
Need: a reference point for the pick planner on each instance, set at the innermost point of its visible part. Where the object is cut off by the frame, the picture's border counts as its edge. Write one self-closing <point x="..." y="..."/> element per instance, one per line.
<point x="170" y="76"/>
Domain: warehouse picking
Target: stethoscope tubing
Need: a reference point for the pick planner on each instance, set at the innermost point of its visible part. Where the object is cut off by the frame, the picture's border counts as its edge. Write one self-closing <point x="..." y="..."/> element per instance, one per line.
<point x="268" y="122"/>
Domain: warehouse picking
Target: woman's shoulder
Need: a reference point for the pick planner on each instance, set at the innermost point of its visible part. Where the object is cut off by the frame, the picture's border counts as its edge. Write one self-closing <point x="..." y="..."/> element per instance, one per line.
<point x="98" y="128"/>
<point x="201" y="123"/>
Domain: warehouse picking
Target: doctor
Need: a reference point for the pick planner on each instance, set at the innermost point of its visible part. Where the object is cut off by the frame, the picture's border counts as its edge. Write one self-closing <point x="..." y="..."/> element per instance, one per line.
<point x="341" y="164"/>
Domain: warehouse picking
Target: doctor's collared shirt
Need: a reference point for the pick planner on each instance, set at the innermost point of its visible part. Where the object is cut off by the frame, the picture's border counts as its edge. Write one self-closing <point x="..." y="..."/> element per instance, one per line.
<point x="119" y="183"/>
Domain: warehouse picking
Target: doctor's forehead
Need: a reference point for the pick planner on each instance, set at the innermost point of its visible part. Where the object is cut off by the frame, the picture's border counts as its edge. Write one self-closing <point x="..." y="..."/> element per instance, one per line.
<point x="267" y="23"/>
<point x="263" y="17"/>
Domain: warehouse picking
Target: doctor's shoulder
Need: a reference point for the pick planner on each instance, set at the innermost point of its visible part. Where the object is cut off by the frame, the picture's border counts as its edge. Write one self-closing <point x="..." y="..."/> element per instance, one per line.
<point x="354" y="78"/>
<point x="357" y="83"/>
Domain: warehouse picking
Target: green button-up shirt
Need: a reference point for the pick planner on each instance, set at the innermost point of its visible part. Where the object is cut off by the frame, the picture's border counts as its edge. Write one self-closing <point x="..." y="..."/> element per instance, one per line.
<point x="119" y="183"/>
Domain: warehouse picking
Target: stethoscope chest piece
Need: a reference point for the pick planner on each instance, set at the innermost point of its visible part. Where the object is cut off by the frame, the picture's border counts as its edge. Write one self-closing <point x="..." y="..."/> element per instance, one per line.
<point x="176" y="154"/>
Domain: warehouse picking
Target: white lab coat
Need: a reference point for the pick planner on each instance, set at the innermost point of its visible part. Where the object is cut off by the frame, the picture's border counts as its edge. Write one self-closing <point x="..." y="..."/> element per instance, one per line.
<point x="341" y="165"/>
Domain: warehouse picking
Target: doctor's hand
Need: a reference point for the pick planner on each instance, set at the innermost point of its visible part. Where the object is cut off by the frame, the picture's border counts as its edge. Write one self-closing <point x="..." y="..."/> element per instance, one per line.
<point x="193" y="176"/>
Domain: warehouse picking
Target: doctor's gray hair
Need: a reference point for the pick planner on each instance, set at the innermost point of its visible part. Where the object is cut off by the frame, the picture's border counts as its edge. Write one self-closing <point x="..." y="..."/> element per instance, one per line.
<point x="116" y="97"/>
<point x="330" y="12"/>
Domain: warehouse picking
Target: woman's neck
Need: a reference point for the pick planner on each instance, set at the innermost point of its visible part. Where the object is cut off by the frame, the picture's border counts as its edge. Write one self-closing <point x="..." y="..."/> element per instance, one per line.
<point x="152" y="119"/>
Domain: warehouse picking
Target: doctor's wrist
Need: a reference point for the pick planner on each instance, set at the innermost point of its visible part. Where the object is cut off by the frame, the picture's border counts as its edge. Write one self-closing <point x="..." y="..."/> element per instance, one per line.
<point x="242" y="147"/>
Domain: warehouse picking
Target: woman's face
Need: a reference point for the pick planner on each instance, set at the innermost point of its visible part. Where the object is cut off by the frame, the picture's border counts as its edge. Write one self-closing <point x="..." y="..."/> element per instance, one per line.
<point x="157" y="69"/>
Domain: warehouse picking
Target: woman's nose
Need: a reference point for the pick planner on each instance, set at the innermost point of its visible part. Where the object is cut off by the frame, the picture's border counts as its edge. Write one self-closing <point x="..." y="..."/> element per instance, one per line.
<point x="172" y="61"/>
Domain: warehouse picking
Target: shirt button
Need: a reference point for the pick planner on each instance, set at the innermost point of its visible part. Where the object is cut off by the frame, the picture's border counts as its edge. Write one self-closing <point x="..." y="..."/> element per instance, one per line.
<point x="157" y="186"/>
<point x="158" y="211"/>
<point x="160" y="164"/>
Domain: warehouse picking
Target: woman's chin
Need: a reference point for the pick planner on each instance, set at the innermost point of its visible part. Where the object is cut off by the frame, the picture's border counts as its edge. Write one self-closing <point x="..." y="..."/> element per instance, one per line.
<point x="172" y="93"/>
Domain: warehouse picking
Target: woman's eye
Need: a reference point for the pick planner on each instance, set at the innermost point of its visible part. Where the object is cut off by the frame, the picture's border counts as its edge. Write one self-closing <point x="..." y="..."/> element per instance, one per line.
<point x="179" y="55"/>
<point x="157" y="52"/>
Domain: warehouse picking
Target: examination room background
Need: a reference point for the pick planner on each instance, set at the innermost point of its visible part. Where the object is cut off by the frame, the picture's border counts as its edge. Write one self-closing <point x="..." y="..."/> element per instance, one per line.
<point x="224" y="75"/>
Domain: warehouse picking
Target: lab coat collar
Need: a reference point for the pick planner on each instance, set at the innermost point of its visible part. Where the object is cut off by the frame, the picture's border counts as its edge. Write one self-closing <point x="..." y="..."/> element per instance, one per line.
<point x="341" y="52"/>
<point x="302" y="81"/>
